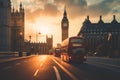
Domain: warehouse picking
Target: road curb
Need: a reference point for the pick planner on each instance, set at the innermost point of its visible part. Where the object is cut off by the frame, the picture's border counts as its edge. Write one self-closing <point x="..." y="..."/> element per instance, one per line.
<point x="13" y="59"/>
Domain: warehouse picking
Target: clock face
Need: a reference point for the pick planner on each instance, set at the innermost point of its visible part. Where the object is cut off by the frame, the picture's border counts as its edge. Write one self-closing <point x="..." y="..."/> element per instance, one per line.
<point x="64" y="24"/>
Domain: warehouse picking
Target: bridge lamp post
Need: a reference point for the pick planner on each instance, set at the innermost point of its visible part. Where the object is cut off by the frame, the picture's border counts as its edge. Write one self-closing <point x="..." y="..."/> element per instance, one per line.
<point x="37" y="41"/>
<point x="20" y="46"/>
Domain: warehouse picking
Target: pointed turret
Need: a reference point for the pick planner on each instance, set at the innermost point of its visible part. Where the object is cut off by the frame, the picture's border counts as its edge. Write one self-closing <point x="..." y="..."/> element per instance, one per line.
<point x="20" y="6"/>
<point x="21" y="9"/>
<point x="100" y="21"/>
<point x="13" y="10"/>
<point x="87" y="21"/>
<point x="114" y="19"/>
<point x="65" y="13"/>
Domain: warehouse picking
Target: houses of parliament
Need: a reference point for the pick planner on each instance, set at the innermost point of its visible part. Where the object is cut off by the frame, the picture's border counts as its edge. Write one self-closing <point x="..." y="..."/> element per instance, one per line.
<point x="12" y="25"/>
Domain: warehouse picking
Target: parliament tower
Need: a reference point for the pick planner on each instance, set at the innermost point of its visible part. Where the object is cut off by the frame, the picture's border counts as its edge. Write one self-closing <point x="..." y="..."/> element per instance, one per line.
<point x="64" y="25"/>
<point x="5" y="29"/>
<point x="11" y="27"/>
<point x="17" y="28"/>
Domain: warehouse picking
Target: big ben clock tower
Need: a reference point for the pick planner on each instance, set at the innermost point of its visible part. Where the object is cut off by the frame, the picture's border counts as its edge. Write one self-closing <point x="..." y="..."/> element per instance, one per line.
<point x="64" y="25"/>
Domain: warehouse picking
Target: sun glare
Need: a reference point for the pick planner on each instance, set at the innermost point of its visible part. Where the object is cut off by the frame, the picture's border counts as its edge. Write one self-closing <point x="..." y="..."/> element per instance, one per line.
<point x="44" y="30"/>
<point x="43" y="26"/>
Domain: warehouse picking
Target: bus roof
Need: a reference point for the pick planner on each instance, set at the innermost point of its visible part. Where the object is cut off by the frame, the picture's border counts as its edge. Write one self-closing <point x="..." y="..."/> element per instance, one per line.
<point x="66" y="41"/>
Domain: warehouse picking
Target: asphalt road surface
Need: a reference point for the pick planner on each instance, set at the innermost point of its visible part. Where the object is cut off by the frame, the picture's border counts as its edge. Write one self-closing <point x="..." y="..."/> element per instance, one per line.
<point x="47" y="67"/>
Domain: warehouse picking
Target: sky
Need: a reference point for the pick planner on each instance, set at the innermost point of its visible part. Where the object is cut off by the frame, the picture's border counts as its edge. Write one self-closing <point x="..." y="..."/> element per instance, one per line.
<point x="45" y="16"/>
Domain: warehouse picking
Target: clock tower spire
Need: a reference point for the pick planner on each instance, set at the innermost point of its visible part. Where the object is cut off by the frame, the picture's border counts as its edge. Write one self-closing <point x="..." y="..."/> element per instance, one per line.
<point x="64" y="25"/>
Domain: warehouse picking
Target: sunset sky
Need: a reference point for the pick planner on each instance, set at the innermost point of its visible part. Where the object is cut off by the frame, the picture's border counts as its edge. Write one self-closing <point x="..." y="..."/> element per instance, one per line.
<point x="45" y="15"/>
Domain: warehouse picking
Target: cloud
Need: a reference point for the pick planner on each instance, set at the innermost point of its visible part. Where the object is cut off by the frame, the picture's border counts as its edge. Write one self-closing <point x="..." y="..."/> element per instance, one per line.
<point x="50" y="10"/>
<point x="75" y="8"/>
<point x="31" y="16"/>
<point x="78" y="8"/>
<point x="103" y="8"/>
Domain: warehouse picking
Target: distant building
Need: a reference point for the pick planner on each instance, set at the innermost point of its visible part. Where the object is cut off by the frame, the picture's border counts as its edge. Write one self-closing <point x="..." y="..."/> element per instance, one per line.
<point x="40" y="47"/>
<point x="64" y="26"/>
<point x="101" y="32"/>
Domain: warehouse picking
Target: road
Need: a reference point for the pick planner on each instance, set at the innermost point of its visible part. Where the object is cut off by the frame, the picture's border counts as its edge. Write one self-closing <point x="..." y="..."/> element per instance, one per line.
<point x="47" y="67"/>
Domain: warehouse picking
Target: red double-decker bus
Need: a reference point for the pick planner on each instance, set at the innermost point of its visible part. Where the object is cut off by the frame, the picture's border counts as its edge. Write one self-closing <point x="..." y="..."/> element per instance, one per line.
<point x="57" y="52"/>
<point x="73" y="49"/>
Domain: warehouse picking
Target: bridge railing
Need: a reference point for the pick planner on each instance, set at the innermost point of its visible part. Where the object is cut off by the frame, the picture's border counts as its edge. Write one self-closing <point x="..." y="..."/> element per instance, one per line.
<point x="14" y="54"/>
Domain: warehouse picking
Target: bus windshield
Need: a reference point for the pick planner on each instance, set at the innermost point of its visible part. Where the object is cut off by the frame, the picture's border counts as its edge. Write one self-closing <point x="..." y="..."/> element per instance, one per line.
<point x="78" y="50"/>
<point x="76" y="40"/>
<point x="76" y="44"/>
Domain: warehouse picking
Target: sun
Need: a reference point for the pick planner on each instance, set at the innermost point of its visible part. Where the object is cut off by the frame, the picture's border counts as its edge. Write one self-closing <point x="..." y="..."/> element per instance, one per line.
<point x="44" y="30"/>
<point x="43" y="26"/>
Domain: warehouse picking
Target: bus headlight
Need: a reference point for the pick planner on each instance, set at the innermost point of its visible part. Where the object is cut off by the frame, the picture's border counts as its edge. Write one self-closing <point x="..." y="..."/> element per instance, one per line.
<point x="70" y="57"/>
<point x="85" y="57"/>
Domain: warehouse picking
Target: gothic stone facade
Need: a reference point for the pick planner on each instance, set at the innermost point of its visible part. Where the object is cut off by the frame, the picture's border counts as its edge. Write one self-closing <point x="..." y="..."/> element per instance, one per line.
<point x="17" y="29"/>
<point x="101" y="32"/>
<point x="11" y="27"/>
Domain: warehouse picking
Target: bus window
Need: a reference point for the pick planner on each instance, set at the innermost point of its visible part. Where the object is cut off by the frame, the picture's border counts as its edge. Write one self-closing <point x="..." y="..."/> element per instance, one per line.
<point x="78" y="51"/>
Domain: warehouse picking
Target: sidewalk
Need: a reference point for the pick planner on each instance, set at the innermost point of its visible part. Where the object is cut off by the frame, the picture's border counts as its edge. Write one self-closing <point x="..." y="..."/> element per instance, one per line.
<point x="107" y="60"/>
<point x="4" y="59"/>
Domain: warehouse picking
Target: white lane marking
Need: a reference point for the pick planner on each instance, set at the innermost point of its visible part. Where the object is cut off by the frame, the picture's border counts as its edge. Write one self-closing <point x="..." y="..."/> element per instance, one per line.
<point x="8" y="67"/>
<point x="66" y="71"/>
<point x="41" y="64"/>
<point x="17" y="64"/>
<point x="36" y="72"/>
<point x="57" y="73"/>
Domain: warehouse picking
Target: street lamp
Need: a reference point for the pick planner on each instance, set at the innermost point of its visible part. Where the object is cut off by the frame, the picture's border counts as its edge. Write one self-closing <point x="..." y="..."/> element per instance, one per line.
<point x="30" y="38"/>
<point x="109" y="44"/>
<point x="109" y="36"/>
<point x="37" y="41"/>
<point x="30" y="49"/>
<point x="20" y="44"/>
<point x="21" y="33"/>
<point x="21" y="40"/>
<point x="37" y="36"/>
